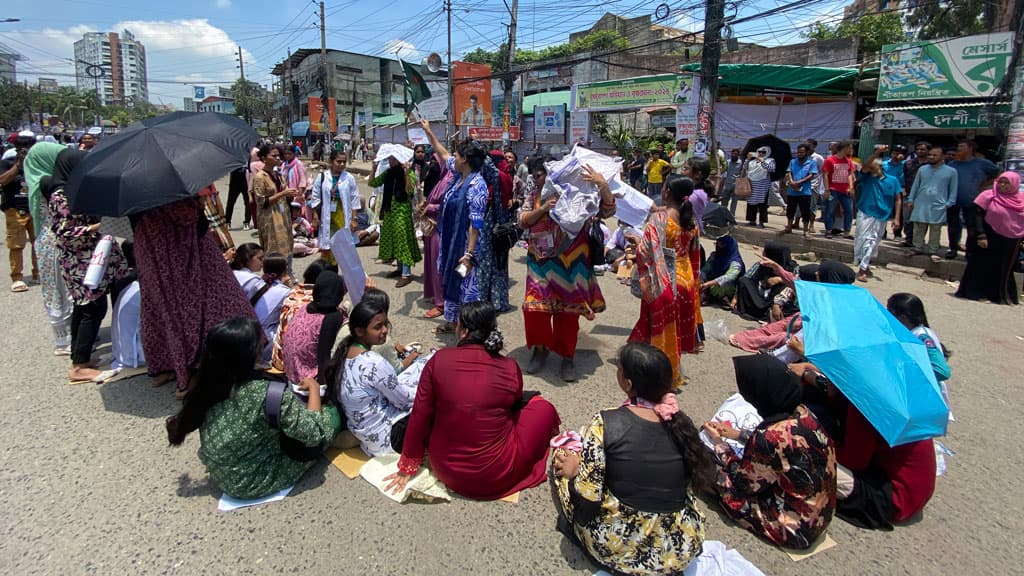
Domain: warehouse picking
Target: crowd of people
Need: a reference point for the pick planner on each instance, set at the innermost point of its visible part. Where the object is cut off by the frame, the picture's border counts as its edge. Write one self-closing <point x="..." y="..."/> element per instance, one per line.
<point x="274" y="368"/>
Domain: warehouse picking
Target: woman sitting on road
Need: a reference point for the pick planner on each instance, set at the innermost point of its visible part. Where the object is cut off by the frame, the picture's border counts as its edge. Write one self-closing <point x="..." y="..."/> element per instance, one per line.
<point x="625" y="495"/>
<point x="783" y="487"/>
<point x="300" y="296"/>
<point x="719" y="274"/>
<point x="247" y="264"/>
<point x="240" y="450"/>
<point x="267" y="301"/>
<point x="307" y="346"/>
<point x="470" y="418"/>
<point x="368" y="386"/>
<point x="766" y="291"/>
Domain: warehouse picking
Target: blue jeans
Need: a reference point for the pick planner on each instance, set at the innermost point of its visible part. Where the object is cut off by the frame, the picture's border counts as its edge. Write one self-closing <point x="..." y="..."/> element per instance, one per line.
<point x="405" y="269"/>
<point x="829" y="207"/>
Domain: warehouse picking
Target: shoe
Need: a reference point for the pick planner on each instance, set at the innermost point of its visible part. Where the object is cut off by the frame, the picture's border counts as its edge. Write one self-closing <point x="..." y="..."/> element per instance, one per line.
<point x="950" y="254"/>
<point x="567" y="371"/>
<point x="403" y="282"/>
<point x="907" y="244"/>
<point x="245" y="226"/>
<point x="19" y="286"/>
<point x="537" y="358"/>
<point x="62" y="351"/>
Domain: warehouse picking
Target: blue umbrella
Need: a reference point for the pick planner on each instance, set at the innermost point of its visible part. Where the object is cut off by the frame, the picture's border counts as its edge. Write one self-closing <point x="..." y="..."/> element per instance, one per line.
<point x="874" y="360"/>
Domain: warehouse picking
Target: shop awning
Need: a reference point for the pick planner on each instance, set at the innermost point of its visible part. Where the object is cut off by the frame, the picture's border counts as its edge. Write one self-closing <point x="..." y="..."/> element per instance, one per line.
<point x="799" y="79"/>
<point x="546" y="99"/>
<point x="951" y="116"/>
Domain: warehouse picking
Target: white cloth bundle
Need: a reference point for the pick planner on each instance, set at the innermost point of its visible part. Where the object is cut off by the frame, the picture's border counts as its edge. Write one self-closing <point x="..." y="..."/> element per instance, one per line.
<point x="401" y="153"/>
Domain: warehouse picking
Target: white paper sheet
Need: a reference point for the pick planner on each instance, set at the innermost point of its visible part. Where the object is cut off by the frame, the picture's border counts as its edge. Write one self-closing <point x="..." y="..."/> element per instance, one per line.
<point x="349" y="264"/>
<point x="418" y="136"/>
<point x="631" y="206"/>
<point x="740" y="414"/>
<point x="228" y="503"/>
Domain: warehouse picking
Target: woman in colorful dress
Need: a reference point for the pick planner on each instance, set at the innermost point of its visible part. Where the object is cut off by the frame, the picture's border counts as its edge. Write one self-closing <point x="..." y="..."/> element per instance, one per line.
<point x="560" y="282"/>
<point x="293" y="173"/>
<point x="273" y="205"/>
<point x="241" y="451"/>
<point x="994" y="243"/>
<point x="76" y="238"/>
<point x="38" y="170"/>
<point x="300" y="297"/>
<point x="668" y="258"/>
<point x="783" y="487"/>
<point x="626" y="492"/>
<point x="494" y="262"/>
<point x="429" y="214"/>
<point x="398" y="236"/>
<point x="461" y="221"/>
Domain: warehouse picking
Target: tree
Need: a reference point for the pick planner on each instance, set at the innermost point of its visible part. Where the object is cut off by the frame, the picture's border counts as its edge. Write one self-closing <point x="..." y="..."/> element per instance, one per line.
<point x="250" y="102"/>
<point x="951" y="19"/>
<point x="14" y="100"/>
<point x="593" y="42"/>
<point x="874" y="31"/>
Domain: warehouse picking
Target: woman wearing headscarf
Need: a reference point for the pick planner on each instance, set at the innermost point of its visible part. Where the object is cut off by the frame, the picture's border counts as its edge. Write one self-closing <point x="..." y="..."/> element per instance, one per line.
<point x="76" y="239"/>
<point x="766" y="291"/>
<point x="429" y="212"/>
<point x="494" y="262"/>
<point x="724" y="267"/>
<point x="38" y="168"/>
<point x="994" y="243"/>
<point x="397" y="236"/>
<point x="760" y="166"/>
<point x="783" y="487"/>
<point x="188" y="286"/>
<point x="311" y="335"/>
<point x="461" y="222"/>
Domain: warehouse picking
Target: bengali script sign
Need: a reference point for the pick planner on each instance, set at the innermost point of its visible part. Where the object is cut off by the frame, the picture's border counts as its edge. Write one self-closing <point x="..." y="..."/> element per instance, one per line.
<point x="968" y="67"/>
<point x="664" y="90"/>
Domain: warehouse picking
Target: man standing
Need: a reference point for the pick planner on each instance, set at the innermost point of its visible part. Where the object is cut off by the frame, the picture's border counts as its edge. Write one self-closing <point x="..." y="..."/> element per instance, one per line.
<point x="910" y="168"/>
<point x="636" y="169"/>
<point x="973" y="174"/>
<point x="893" y="166"/>
<point x="878" y="191"/>
<point x="657" y="169"/>
<point x="818" y="183"/>
<point x="933" y="192"/>
<point x="681" y="155"/>
<point x="732" y="170"/>
<point x="14" y="203"/>
<point x="799" y="176"/>
<point x="475" y="115"/>
<point x="838" y="176"/>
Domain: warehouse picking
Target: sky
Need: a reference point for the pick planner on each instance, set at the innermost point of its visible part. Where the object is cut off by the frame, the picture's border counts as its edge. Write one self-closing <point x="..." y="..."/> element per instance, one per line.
<point x="195" y="41"/>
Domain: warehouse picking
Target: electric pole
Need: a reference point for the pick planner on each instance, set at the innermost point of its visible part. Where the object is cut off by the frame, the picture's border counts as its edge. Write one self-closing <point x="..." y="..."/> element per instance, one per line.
<point x="714" y="20"/>
<point x="243" y="88"/>
<point x="324" y="97"/>
<point x="449" y="123"/>
<point x="288" y="92"/>
<point x="508" y="81"/>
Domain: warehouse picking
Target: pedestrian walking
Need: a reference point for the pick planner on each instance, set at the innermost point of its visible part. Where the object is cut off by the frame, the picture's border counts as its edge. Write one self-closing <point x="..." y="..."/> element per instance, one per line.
<point x="878" y="192"/>
<point x="910" y="167"/>
<point x="15" y="205"/>
<point x="934" y="190"/>
<point x="732" y="170"/>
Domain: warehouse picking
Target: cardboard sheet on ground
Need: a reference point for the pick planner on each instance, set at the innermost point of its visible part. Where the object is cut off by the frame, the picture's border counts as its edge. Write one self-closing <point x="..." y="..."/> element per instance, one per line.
<point x="738" y="412"/>
<point x="228" y="503"/>
<point x="824" y="543"/>
<point x="348" y="461"/>
<point x="126" y="373"/>
<point x="423" y="487"/>
<point x="349" y="265"/>
<point x="512" y="498"/>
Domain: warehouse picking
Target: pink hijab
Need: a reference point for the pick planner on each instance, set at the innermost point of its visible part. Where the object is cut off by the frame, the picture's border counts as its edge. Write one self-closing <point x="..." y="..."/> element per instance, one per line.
<point x="1004" y="212"/>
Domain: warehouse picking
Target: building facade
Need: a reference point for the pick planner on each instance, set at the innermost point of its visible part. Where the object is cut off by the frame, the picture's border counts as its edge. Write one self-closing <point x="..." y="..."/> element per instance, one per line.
<point x="8" y="64"/>
<point x="217" y="104"/>
<point x="122" y="60"/>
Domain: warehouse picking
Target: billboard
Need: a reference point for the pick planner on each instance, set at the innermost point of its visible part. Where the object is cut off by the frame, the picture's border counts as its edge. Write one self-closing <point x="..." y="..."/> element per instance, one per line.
<point x="549" y="119"/>
<point x="939" y="118"/>
<point x="687" y="113"/>
<point x="493" y="133"/>
<point x="968" y="67"/>
<point x="472" y="86"/>
<point x="198" y="93"/>
<point x="632" y="93"/>
<point x="316" y="115"/>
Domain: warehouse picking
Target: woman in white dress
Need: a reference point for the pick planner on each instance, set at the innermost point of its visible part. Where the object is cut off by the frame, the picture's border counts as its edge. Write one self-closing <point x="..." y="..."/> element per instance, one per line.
<point x="247" y="266"/>
<point x="267" y="300"/>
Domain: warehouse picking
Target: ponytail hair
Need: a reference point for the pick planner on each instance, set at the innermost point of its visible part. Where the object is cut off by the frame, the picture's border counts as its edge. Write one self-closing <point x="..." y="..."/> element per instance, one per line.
<point x="481" y="320"/>
<point x="243" y="254"/>
<point x="650" y="374"/>
<point x="275" y="266"/>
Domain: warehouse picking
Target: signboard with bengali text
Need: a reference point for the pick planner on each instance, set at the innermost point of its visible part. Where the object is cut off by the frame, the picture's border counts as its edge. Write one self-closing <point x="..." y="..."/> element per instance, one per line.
<point x="968" y="67"/>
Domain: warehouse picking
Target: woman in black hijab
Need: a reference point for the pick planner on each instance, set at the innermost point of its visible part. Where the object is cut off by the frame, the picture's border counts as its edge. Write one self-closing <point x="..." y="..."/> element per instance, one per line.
<point x="782" y="486"/>
<point x="77" y="237"/>
<point x="766" y="291"/>
<point x="309" y="341"/>
<point x="398" y="236"/>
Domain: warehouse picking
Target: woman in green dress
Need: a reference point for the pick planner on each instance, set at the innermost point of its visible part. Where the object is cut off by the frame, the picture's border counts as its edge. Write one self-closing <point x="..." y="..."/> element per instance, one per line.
<point x="625" y="494"/>
<point x="397" y="236"/>
<point x="241" y="451"/>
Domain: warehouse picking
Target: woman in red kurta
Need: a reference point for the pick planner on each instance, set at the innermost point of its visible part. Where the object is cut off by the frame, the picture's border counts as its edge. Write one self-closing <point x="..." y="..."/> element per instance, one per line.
<point x="482" y="439"/>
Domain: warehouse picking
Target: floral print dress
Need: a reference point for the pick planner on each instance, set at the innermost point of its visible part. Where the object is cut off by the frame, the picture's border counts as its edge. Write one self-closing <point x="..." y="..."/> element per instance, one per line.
<point x="620" y="537"/>
<point x="784" y="487"/>
<point x="374" y="399"/>
<point x="75" y="244"/>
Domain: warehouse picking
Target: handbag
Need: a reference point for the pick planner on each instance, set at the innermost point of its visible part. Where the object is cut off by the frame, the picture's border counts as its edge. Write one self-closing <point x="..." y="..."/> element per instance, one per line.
<point x="292" y="448"/>
<point x="596" y="243"/>
<point x="504" y="236"/>
<point x="743" y="190"/>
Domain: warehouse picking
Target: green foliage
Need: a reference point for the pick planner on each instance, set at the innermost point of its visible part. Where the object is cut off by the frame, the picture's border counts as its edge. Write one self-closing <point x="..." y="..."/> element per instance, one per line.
<point x="951" y="19"/>
<point x="874" y="31"/>
<point x="250" y="102"/>
<point x="14" y="100"/>
<point x="593" y="42"/>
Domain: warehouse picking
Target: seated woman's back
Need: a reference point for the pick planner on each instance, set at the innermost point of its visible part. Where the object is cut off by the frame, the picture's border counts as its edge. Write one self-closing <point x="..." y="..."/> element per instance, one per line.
<point x="643" y="465"/>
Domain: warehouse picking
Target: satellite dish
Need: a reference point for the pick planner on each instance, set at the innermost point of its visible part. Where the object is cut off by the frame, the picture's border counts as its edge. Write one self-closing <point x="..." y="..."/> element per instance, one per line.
<point x="434" y="62"/>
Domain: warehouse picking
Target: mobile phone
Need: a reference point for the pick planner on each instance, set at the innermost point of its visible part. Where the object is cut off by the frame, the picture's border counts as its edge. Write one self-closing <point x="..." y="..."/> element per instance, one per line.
<point x="462" y="270"/>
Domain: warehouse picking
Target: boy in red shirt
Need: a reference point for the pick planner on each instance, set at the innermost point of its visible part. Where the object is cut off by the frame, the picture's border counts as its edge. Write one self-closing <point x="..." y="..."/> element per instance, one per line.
<point x="838" y="174"/>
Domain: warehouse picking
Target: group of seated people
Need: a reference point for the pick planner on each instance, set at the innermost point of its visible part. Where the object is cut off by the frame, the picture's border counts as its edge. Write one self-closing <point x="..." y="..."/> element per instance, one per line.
<point x="625" y="490"/>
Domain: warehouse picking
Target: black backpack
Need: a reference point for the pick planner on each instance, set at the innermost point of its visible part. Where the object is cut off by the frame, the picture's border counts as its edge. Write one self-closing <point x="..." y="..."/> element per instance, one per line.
<point x="272" y="411"/>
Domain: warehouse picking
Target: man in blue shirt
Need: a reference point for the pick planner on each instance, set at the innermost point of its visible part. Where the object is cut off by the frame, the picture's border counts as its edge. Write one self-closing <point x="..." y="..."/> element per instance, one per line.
<point x="799" y="178"/>
<point x="893" y="166"/>
<point x="878" y="192"/>
<point x="973" y="175"/>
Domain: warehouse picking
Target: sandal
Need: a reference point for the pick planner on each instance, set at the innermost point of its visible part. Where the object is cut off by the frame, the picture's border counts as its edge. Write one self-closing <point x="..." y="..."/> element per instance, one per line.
<point x="19" y="286"/>
<point x="434" y="312"/>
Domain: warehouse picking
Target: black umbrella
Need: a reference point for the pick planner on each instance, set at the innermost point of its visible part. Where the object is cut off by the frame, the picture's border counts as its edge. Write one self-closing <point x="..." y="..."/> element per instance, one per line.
<point x="158" y="161"/>
<point x="780" y="152"/>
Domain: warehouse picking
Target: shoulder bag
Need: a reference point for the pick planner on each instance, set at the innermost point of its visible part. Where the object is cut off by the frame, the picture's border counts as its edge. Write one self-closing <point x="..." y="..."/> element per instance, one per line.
<point x="743" y="190"/>
<point x="272" y="412"/>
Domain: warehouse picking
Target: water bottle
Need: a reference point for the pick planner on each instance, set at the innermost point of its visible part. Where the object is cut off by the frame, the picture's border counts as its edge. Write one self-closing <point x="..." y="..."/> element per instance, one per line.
<point x="98" y="263"/>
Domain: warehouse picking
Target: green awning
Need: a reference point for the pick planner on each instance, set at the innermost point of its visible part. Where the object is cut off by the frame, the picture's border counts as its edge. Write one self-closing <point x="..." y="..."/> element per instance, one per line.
<point x="801" y="79"/>
<point x="390" y="119"/>
<point x="546" y="99"/>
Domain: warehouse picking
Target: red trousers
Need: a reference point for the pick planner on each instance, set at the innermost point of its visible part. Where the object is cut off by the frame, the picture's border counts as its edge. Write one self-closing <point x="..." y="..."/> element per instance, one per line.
<point x="556" y="332"/>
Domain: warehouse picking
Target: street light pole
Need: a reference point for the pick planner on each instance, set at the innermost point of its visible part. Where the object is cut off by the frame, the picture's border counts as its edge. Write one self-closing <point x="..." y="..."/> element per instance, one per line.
<point x="508" y="80"/>
<point x="451" y="70"/>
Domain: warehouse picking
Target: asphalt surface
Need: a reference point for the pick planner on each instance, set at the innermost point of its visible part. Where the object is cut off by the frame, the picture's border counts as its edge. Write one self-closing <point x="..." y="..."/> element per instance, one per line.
<point x="88" y="483"/>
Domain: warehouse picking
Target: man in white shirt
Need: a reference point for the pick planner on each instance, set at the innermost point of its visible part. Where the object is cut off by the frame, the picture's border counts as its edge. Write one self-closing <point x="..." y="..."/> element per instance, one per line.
<point x="475" y="115"/>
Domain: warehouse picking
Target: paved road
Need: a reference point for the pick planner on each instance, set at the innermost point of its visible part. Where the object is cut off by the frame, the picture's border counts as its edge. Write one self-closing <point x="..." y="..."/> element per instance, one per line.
<point x="89" y="485"/>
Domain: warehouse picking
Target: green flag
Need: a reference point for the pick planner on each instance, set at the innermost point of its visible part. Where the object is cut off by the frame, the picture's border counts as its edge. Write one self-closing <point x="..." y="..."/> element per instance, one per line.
<point x="418" y="91"/>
